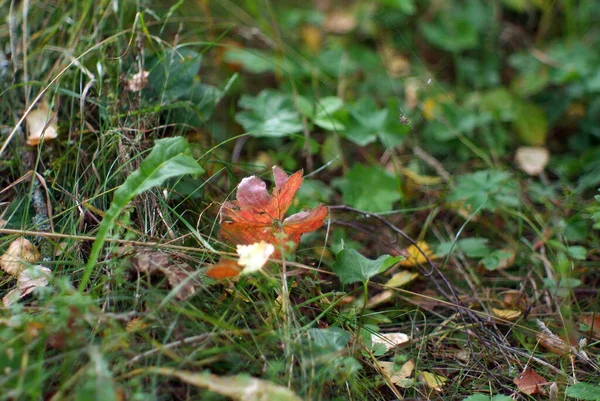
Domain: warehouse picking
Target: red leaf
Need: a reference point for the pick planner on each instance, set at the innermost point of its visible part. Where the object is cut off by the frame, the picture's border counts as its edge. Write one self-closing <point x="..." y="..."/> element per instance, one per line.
<point x="256" y="215"/>
<point x="529" y="382"/>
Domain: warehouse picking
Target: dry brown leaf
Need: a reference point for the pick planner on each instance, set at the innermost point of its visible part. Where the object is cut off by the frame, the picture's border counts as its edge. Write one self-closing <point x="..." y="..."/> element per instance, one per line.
<point x="339" y="22"/>
<point x="400" y="377"/>
<point x="529" y="382"/>
<point x="507" y="314"/>
<point x="390" y="340"/>
<point x="20" y="254"/>
<point x="380" y="298"/>
<point x="414" y="256"/>
<point x="41" y="125"/>
<point x="176" y="272"/>
<point x="531" y="159"/>
<point x="433" y="381"/>
<point x="137" y="82"/>
<point x="553" y="343"/>
<point x="513" y="299"/>
<point x="29" y="279"/>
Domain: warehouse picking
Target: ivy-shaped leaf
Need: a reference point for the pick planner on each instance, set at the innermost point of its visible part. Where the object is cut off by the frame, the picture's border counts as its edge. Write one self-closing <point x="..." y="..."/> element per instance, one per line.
<point x="351" y="266"/>
<point x="270" y="114"/>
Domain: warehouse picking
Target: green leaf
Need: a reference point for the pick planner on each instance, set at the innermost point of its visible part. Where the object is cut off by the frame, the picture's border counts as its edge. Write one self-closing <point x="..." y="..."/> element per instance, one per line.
<point x="489" y="189"/>
<point x="577" y="252"/>
<point x="368" y="124"/>
<point x="483" y="397"/>
<point x="332" y="339"/>
<point x="351" y="266"/>
<point x="369" y="188"/>
<point x="584" y="391"/>
<point x="269" y="114"/>
<point x="326" y="107"/>
<point x="474" y="247"/>
<point x="450" y="34"/>
<point x="531" y="124"/>
<point x="170" y="157"/>
<point x="172" y="73"/>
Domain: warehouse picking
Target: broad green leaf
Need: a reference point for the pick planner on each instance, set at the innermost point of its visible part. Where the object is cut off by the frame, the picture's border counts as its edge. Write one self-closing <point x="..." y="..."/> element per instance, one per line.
<point x="173" y="72"/>
<point x="531" y="124"/>
<point x="369" y="188"/>
<point x="351" y="266"/>
<point x="237" y="387"/>
<point x="483" y="397"/>
<point x="332" y="339"/>
<point x="474" y="247"/>
<point x="270" y="114"/>
<point x="368" y="123"/>
<point x="577" y="252"/>
<point x="489" y="189"/>
<point x="170" y="157"/>
<point x="584" y="391"/>
<point x="324" y="118"/>
<point x="451" y="34"/>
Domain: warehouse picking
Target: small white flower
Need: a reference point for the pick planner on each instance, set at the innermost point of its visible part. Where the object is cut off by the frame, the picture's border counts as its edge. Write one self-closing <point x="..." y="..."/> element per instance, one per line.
<point x="253" y="257"/>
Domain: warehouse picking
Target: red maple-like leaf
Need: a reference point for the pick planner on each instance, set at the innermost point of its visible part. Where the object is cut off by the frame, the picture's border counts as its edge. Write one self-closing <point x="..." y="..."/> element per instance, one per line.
<point x="257" y="215"/>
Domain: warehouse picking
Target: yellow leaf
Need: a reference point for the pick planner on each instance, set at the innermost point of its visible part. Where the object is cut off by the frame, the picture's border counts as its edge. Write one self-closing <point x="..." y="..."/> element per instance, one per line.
<point x="507" y="314"/>
<point x="400" y="377"/>
<point x="419" y="179"/>
<point x="18" y="257"/>
<point x="401" y="278"/>
<point x="433" y="381"/>
<point x="415" y="257"/>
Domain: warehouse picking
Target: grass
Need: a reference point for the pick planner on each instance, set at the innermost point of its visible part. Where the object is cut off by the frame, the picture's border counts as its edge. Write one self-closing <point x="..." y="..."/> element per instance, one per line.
<point x="107" y="336"/>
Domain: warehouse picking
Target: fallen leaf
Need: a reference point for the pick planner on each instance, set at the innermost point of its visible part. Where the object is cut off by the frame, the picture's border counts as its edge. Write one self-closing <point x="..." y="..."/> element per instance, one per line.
<point x="506" y="314"/>
<point x="312" y="38"/>
<point x="258" y="216"/>
<point x="339" y="22"/>
<point x="529" y="382"/>
<point x="389" y="340"/>
<point x="176" y="272"/>
<point x="433" y="381"/>
<point x="532" y="159"/>
<point x="553" y="343"/>
<point x="380" y="298"/>
<point x="238" y="387"/>
<point x="401" y="278"/>
<point x="593" y="321"/>
<point x="414" y="256"/>
<point x="225" y="268"/>
<point x="28" y="280"/>
<point x="400" y="377"/>
<point x="137" y="82"/>
<point x="19" y="256"/>
<point x="253" y="257"/>
<point x="41" y="125"/>
<point x="513" y="299"/>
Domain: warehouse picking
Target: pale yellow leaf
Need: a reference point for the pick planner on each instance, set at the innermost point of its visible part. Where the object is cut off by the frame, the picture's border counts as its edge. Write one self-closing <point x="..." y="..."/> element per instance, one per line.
<point x="400" y="377"/>
<point x="382" y="297"/>
<point x="433" y="381"/>
<point x="137" y="82"/>
<point x="401" y="278"/>
<point x="507" y="314"/>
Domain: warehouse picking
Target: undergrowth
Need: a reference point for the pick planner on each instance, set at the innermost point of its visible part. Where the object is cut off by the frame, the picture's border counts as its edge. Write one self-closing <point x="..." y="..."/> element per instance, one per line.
<point x="405" y="117"/>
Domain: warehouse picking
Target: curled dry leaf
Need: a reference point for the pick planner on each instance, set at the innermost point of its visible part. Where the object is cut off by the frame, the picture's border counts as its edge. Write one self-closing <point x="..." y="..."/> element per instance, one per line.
<point x="137" y="82"/>
<point x="532" y="160"/>
<point x="29" y="279"/>
<point x="257" y="215"/>
<point x="176" y="272"/>
<point x="529" y="382"/>
<point x="390" y="340"/>
<point x="41" y="124"/>
<point x="400" y="377"/>
<point x="20" y="254"/>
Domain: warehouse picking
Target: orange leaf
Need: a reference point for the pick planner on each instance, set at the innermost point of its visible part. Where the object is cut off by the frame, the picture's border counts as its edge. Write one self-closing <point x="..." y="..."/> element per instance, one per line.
<point x="226" y="268"/>
<point x="257" y="216"/>
<point x="529" y="382"/>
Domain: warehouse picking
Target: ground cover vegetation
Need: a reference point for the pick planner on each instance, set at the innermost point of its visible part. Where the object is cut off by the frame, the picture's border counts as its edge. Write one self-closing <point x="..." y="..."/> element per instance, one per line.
<point x="285" y="200"/>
